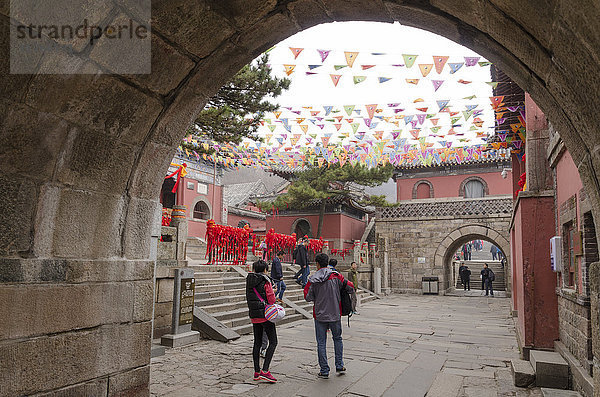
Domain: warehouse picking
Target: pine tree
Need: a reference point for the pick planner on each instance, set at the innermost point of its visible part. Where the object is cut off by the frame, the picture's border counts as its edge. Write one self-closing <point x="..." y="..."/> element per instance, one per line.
<point x="320" y="184"/>
<point x="236" y="110"/>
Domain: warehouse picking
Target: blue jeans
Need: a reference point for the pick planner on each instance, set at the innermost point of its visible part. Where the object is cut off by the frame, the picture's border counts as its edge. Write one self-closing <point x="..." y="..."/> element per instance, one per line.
<point x="280" y="289"/>
<point x="338" y="346"/>
<point x="304" y="275"/>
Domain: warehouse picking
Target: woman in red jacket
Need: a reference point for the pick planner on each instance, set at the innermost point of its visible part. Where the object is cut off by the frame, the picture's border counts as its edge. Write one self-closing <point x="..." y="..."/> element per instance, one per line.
<point x="259" y="292"/>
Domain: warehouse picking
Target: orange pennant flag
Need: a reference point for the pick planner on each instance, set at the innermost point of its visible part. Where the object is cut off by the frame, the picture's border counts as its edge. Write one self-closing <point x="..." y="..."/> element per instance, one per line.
<point x="296" y="51"/>
<point x="350" y="57"/>
<point x="425" y="68"/>
<point x="440" y="61"/>
<point x="412" y="81"/>
<point x="335" y="78"/>
<point x="289" y="69"/>
<point x="338" y="126"/>
<point x="304" y="128"/>
<point x="496" y="101"/>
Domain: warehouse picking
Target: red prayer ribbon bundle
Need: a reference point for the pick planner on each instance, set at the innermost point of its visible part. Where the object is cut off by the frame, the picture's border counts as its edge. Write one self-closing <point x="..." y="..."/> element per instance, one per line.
<point x="226" y="244"/>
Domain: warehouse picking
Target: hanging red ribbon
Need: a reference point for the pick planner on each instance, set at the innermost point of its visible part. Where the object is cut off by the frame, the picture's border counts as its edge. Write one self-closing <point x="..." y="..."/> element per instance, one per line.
<point x="181" y="171"/>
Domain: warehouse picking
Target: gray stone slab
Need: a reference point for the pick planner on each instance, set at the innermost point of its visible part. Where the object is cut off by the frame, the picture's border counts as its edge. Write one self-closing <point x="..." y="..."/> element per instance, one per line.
<point x="522" y="372"/>
<point x="445" y="385"/>
<point x="212" y="328"/>
<point x="376" y="381"/>
<point x="429" y="361"/>
<point x="551" y="370"/>
<point x="178" y="340"/>
<point x="336" y="384"/>
<point x="547" y="392"/>
<point x="412" y="382"/>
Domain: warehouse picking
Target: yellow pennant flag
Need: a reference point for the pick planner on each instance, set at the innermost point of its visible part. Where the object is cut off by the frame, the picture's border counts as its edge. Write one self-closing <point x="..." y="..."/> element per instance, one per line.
<point x="350" y="57"/>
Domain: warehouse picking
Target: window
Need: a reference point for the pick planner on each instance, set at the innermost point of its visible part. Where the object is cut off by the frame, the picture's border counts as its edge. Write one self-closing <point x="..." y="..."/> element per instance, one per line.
<point x="474" y="189"/>
<point x="569" y="257"/>
<point x="201" y="211"/>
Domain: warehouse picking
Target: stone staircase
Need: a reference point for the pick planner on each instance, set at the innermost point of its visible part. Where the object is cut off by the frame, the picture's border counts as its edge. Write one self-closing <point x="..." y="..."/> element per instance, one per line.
<point x="195" y="249"/>
<point x="475" y="266"/>
<point x="221" y="292"/>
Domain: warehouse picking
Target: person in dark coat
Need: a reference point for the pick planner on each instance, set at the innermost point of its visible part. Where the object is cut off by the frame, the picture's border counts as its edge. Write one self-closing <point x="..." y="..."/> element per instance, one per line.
<point x="259" y="292"/>
<point x="466" y="278"/>
<point x="486" y="280"/>
<point x="277" y="276"/>
<point x="302" y="261"/>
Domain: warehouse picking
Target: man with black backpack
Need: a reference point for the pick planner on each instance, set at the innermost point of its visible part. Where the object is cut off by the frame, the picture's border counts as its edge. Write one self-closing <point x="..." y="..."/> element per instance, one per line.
<point x="328" y="290"/>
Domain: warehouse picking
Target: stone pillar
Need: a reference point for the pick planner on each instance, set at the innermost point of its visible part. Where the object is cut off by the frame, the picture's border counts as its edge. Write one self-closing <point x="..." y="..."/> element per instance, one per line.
<point x="594" y="280"/>
<point x="179" y="221"/>
<point x="386" y="267"/>
<point x="539" y="174"/>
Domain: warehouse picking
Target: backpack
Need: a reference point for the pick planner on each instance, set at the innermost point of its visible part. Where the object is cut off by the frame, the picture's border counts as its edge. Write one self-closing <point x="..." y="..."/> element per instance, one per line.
<point x="491" y="275"/>
<point x="348" y="301"/>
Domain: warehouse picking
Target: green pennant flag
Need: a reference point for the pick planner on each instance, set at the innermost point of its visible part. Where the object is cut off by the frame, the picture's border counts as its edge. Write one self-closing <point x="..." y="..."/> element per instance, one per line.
<point x="349" y="109"/>
<point x="453" y="120"/>
<point x="409" y="60"/>
<point x="467" y="114"/>
<point x="494" y="84"/>
<point x="355" y="127"/>
<point x="435" y="129"/>
<point x="470" y="97"/>
<point x="338" y="67"/>
<point x="359" y="79"/>
<point x="272" y="127"/>
<point x="482" y="64"/>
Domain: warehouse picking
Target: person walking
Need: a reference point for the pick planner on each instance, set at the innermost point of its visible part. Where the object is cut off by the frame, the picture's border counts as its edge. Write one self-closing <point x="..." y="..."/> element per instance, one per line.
<point x="461" y="270"/>
<point x="494" y="251"/>
<point x="277" y="276"/>
<point x="487" y="277"/>
<point x="259" y="291"/>
<point x="323" y="289"/>
<point x="263" y="247"/>
<point x="465" y="277"/>
<point x="302" y="261"/>
<point x="353" y="277"/>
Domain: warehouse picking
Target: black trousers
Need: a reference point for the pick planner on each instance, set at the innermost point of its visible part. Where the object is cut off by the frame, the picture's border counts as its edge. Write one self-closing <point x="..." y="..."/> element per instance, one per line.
<point x="258" y="329"/>
<point x="466" y="282"/>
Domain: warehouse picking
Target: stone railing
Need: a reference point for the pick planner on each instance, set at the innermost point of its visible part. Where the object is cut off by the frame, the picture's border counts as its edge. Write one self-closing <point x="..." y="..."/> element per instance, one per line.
<point x="448" y="207"/>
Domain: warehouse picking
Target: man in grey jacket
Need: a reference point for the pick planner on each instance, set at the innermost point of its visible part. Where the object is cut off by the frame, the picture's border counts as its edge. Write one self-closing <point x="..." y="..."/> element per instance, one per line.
<point x="323" y="288"/>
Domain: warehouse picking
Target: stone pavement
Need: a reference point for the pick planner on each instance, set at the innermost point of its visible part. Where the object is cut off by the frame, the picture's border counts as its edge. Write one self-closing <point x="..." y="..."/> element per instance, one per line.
<point x="403" y="345"/>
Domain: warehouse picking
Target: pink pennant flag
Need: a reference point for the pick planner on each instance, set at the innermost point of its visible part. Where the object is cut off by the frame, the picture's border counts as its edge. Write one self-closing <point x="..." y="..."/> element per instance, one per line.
<point x="371" y="110"/>
<point x="437" y="84"/>
<point x="324" y="54"/>
<point x="471" y="61"/>
<point x="335" y="78"/>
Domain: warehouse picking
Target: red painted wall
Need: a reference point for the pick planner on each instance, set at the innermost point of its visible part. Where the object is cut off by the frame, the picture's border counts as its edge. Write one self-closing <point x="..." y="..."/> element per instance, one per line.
<point x="187" y="197"/>
<point x="448" y="185"/>
<point x="255" y="224"/>
<point x="534" y="282"/>
<point x="335" y="226"/>
<point x="568" y="184"/>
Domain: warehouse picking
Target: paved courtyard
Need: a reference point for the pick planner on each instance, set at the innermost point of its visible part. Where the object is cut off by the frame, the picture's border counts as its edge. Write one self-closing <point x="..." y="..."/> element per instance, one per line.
<point x="402" y="345"/>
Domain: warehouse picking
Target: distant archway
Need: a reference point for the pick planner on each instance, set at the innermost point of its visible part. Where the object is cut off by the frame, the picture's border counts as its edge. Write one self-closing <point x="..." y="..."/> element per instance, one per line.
<point x="455" y="239"/>
<point x="301" y="227"/>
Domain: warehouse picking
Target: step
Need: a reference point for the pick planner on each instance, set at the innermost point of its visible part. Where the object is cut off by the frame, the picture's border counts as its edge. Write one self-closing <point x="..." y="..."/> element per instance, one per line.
<point x="522" y="372"/>
<point x="551" y="370"/>
<point x="222" y="307"/>
<point x="222" y="280"/>
<point x="546" y="392"/>
<point x="216" y="293"/>
<point x="220" y="287"/>
<point x="207" y="302"/>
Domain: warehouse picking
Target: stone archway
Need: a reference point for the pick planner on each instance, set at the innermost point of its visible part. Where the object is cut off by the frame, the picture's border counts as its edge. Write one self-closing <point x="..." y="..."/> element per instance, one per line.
<point x="420" y="182"/>
<point x="461" y="189"/>
<point x="463" y="234"/>
<point x="82" y="157"/>
<point x="301" y="224"/>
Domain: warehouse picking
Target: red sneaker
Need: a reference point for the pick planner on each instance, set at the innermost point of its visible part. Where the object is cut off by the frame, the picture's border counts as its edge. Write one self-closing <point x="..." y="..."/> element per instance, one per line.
<point x="257" y="376"/>
<point x="267" y="376"/>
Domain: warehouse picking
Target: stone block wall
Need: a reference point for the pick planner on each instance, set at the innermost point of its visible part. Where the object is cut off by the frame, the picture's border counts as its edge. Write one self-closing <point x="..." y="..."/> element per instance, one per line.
<point x="434" y="239"/>
<point x="574" y="326"/>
